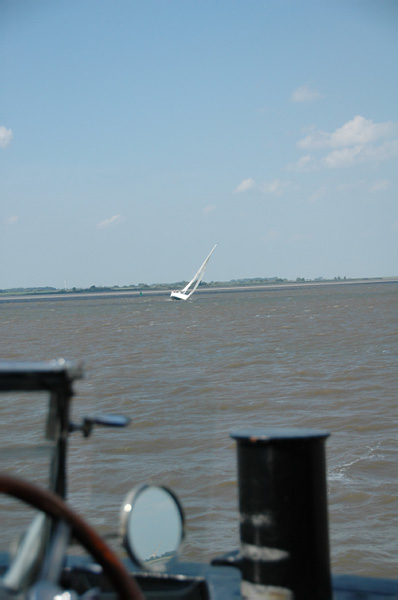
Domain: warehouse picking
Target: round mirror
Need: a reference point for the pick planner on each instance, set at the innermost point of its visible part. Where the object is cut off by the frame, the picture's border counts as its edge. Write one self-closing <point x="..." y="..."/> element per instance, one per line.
<point x="152" y="524"/>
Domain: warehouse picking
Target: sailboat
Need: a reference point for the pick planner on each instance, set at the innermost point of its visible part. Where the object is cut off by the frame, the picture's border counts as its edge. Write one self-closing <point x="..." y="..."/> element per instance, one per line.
<point x="186" y="292"/>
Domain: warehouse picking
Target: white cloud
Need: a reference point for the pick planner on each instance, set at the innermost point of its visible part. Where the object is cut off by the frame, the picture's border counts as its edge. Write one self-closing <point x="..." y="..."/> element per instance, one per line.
<point x="358" y="131"/>
<point x="380" y="186"/>
<point x="318" y="194"/>
<point x="6" y="136"/>
<point x="382" y="152"/>
<point x="12" y="220"/>
<point x="245" y="186"/>
<point x="304" y="163"/>
<point x="208" y="209"/>
<point x="115" y="220"/>
<point x="271" y="235"/>
<point x="276" y="187"/>
<point x="361" y="131"/>
<point x="305" y="94"/>
<point x="344" y="157"/>
<point x="316" y="139"/>
<point x="357" y="141"/>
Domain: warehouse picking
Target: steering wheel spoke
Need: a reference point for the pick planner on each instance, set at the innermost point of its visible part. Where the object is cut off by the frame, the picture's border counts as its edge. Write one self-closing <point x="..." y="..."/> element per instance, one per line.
<point x="67" y="521"/>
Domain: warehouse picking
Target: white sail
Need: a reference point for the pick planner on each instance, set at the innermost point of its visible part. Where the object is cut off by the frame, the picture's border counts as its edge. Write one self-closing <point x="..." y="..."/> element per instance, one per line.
<point x="184" y="294"/>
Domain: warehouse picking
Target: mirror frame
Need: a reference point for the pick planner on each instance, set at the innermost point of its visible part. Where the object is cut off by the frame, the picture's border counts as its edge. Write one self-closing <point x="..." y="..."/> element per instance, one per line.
<point x="125" y="516"/>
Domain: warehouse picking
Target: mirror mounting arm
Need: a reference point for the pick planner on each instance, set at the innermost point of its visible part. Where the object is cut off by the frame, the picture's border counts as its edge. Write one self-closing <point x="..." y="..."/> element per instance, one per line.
<point x="87" y="424"/>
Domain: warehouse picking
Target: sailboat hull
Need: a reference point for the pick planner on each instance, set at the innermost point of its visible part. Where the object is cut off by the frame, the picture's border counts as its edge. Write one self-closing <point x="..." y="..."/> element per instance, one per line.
<point x="179" y="296"/>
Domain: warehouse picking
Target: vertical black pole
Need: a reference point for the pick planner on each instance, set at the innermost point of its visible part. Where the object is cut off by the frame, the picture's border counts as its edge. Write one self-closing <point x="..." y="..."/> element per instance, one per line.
<point x="283" y="514"/>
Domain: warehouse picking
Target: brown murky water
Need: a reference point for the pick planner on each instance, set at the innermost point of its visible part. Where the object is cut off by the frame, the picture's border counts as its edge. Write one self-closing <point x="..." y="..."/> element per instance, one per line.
<point x="189" y="373"/>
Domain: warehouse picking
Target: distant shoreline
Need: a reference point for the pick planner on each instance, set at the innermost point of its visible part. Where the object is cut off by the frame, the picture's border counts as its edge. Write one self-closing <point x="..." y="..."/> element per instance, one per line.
<point x="222" y="289"/>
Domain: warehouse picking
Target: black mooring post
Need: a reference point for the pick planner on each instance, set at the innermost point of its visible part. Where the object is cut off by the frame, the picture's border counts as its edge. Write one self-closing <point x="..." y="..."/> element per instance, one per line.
<point x="283" y="514"/>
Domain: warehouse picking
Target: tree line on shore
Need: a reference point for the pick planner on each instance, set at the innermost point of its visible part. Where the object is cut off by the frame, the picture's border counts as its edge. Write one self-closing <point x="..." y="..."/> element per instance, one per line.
<point x="252" y="281"/>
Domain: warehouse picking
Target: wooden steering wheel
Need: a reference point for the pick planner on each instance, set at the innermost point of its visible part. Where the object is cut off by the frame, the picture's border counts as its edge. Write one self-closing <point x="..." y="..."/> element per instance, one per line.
<point x="55" y="507"/>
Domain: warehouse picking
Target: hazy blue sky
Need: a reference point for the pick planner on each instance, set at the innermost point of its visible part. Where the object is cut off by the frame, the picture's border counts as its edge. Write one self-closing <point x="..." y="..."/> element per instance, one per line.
<point x="134" y="135"/>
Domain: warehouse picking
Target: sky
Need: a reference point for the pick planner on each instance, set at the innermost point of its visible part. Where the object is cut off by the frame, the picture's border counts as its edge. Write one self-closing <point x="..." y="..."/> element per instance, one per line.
<point x="136" y="134"/>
